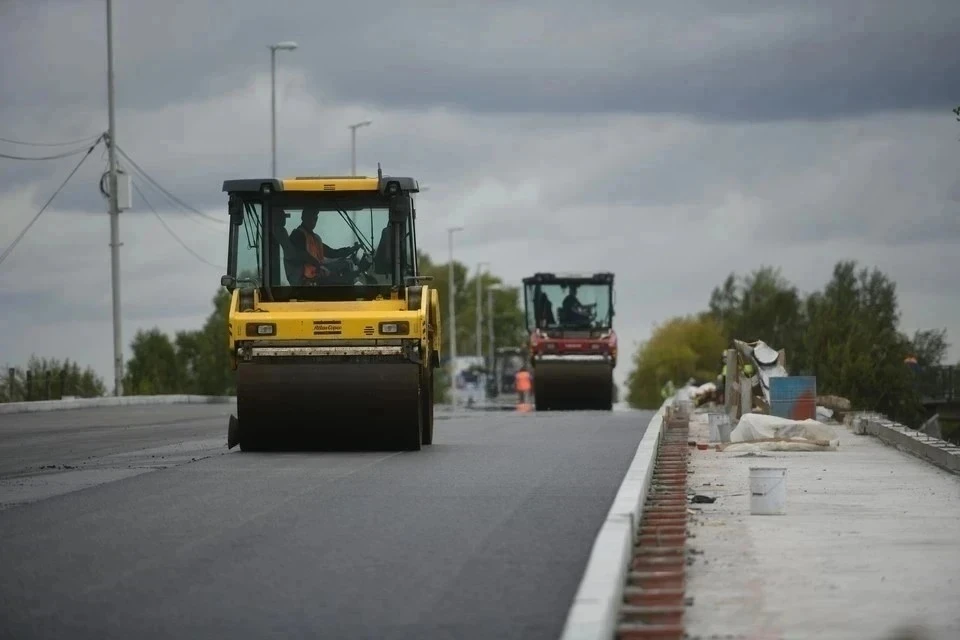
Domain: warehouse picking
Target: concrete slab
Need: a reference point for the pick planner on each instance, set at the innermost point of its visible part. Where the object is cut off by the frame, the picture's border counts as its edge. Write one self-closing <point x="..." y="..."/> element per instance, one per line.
<point x="868" y="545"/>
<point x="934" y="450"/>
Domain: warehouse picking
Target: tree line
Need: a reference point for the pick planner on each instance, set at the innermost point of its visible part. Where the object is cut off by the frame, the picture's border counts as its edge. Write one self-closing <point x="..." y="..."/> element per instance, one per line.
<point x="49" y="379"/>
<point x="197" y="362"/>
<point x="846" y="334"/>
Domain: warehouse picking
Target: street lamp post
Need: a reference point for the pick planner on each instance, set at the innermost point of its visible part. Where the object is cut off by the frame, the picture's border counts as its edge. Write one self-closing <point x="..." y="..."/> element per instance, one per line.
<point x="478" y="312"/>
<point x="490" y="320"/>
<point x="280" y="46"/>
<point x="490" y="291"/>
<point x="479" y="306"/>
<point x="451" y="287"/>
<point x="490" y="329"/>
<point x="353" y="144"/>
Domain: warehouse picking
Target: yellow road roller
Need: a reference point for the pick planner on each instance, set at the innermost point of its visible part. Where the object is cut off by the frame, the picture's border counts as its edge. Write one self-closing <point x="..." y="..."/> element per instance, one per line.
<point x="333" y="333"/>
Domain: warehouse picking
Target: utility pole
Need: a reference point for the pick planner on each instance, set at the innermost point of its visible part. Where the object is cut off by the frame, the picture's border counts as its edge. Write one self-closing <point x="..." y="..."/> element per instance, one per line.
<point x="114" y="211"/>
<point x="280" y="46"/>
<point x="451" y="289"/>
<point x="353" y="144"/>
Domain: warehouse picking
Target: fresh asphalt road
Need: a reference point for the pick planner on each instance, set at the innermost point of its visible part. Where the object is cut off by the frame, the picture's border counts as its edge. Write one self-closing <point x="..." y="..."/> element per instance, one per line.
<point x="136" y="522"/>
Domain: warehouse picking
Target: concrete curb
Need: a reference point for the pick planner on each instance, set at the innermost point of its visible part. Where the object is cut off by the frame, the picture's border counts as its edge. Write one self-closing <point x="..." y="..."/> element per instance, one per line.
<point x="599" y="597"/>
<point x="110" y="401"/>
<point x="934" y="450"/>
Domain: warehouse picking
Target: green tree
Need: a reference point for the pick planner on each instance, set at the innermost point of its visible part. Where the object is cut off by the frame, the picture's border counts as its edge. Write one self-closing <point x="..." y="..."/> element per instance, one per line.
<point x="153" y="369"/>
<point x="203" y="353"/>
<point x="853" y="346"/>
<point x="930" y="346"/>
<point x="760" y="306"/>
<point x="679" y="349"/>
<point x="846" y="335"/>
<point x="65" y="379"/>
<point x="509" y="326"/>
<point x="195" y="362"/>
<point x="198" y="362"/>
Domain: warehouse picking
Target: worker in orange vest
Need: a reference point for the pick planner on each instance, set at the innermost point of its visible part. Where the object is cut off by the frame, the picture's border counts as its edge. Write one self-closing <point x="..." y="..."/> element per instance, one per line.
<point x="523" y="385"/>
<point x="305" y="239"/>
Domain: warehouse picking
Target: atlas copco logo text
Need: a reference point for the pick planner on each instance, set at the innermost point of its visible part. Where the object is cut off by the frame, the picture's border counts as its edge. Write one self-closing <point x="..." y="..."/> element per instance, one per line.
<point x="327" y="328"/>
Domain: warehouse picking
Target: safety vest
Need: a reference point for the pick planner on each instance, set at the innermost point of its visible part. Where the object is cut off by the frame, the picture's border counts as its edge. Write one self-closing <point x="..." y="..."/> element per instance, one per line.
<point x="315" y="249"/>
<point x="523" y="381"/>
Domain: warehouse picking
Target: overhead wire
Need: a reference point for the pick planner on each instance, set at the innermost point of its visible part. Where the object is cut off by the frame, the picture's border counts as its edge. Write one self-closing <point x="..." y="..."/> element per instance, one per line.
<point x="52" y="144"/>
<point x="206" y="223"/>
<point x="171" y="231"/>
<point x="169" y="195"/>
<point x="65" y="154"/>
<point x="9" y="249"/>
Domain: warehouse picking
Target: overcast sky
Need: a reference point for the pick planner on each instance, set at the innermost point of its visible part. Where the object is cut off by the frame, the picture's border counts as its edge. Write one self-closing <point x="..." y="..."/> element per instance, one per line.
<point x="669" y="145"/>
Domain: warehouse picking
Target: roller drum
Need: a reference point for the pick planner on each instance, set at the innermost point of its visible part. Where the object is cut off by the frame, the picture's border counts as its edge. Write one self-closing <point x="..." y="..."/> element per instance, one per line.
<point x="571" y="386"/>
<point x="366" y="406"/>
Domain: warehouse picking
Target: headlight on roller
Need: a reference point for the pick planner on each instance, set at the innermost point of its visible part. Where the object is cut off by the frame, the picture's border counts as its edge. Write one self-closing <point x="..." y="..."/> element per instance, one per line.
<point x="261" y="329"/>
<point x="395" y="328"/>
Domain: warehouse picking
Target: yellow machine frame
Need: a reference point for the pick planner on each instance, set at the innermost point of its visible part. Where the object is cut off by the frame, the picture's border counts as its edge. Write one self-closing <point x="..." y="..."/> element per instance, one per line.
<point x="364" y="362"/>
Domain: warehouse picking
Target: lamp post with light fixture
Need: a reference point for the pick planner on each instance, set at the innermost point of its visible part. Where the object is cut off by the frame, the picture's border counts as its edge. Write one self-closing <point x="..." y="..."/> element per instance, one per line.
<point x="451" y="289"/>
<point x="353" y="144"/>
<point x="280" y="46"/>
<point x="479" y="312"/>
<point x="490" y="335"/>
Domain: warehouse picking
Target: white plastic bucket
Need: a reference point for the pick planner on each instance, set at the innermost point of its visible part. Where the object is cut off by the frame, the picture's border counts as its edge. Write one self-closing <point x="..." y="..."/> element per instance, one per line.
<point x="719" y="427"/>
<point x="768" y="491"/>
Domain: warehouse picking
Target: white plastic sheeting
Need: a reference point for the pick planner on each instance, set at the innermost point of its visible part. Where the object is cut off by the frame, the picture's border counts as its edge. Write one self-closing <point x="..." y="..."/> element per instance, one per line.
<point x="762" y="432"/>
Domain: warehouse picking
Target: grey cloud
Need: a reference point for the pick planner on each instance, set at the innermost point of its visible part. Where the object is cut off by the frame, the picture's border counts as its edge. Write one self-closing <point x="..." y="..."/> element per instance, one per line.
<point x="823" y="60"/>
<point x="890" y="186"/>
<point x="740" y="62"/>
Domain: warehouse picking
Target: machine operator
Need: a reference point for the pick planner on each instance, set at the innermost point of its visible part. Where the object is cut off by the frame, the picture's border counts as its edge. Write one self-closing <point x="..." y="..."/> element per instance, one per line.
<point x="573" y="311"/>
<point x="304" y="239"/>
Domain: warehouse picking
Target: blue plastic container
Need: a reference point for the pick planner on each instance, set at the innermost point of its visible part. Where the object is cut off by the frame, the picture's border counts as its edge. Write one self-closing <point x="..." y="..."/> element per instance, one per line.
<point x="794" y="397"/>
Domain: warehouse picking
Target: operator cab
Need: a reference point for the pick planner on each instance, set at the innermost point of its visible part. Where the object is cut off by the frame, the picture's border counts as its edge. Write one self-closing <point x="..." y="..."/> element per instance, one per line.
<point x="559" y="304"/>
<point x="322" y="238"/>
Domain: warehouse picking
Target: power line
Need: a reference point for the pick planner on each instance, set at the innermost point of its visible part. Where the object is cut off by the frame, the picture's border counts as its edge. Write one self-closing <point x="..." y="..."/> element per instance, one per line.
<point x="16" y="240"/>
<point x="172" y="197"/>
<point x="65" y="154"/>
<point x="201" y="222"/>
<point x="170" y="231"/>
<point x="50" y="144"/>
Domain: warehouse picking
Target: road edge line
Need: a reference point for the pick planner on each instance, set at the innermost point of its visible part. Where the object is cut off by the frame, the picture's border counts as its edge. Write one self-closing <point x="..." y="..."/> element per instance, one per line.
<point x="109" y="401"/>
<point x="599" y="598"/>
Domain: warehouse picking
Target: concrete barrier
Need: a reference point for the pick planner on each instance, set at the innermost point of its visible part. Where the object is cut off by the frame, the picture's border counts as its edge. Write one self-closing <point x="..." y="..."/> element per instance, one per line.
<point x="599" y="598"/>
<point x="934" y="450"/>
<point x="109" y="401"/>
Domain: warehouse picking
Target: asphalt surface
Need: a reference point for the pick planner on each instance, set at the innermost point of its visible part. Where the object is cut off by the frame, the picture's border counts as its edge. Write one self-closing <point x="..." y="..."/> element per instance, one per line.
<point x="136" y="522"/>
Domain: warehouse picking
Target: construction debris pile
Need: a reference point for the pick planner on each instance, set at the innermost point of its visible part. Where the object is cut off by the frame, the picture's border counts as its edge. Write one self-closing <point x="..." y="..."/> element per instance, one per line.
<point x="771" y="409"/>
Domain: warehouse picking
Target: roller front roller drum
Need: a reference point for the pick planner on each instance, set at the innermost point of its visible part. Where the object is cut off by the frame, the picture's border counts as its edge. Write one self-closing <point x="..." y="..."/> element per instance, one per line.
<point x="572" y="386"/>
<point x="367" y="406"/>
